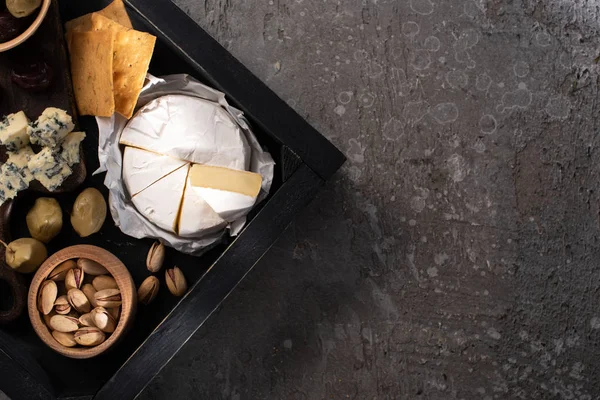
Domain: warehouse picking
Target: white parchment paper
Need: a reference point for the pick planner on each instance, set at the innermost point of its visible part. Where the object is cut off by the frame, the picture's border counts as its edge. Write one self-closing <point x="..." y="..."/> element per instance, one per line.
<point x="124" y="213"/>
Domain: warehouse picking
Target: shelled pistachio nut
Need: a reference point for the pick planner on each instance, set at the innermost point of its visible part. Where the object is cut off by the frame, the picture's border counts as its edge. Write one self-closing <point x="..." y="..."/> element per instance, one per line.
<point x="103" y="320"/>
<point x="104" y="282"/>
<point x="176" y="281"/>
<point x="79" y="301"/>
<point x="91" y="267"/>
<point x="59" y="273"/>
<point x="64" y="338"/>
<point x="74" y="278"/>
<point x="62" y="306"/>
<point x="89" y="336"/>
<point x="148" y="290"/>
<point x="156" y="257"/>
<point x="64" y="323"/>
<point x="108" y="298"/>
<point x="115" y="312"/>
<point x="87" y="319"/>
<point x="89" y="291"/>
<point x="47" y="296"/>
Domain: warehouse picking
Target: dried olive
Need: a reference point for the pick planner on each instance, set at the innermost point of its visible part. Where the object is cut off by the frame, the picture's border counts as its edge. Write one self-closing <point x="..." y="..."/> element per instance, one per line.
<point x="22" y="8"/>
<point x="89" y="212"/>
<point x="34" y="76"/>
<point x="10" y="27"/>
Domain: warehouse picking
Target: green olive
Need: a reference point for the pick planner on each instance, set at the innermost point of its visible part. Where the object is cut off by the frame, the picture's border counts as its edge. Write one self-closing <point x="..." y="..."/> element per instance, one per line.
<point x="89" y="212"/>
<point x="22" y="8"/>
<point x="45" y="219"/>
<point x="25" y="255"/>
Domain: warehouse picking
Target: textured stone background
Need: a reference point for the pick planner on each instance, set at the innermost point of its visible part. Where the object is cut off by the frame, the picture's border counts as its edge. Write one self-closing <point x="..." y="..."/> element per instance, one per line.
<point x="456" y="253"/>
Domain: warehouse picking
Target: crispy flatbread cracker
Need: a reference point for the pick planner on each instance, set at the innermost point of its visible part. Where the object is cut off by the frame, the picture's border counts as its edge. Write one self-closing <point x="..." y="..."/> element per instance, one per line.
<point x="92" y="72"/>
<point x="116" y="11"/>
<point x="132" y="53"/>
<point x="99" y="22"/>
<point x="81" y="24"/>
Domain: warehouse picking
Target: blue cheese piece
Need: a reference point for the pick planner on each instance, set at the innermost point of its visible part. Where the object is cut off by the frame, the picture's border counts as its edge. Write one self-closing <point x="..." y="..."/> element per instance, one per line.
<point x="11" y="182"/>
<point x="14" y="131"/>
<point x="49" y="168"/>
<point x="51" y="127"/>
<point x="70" y="147"/>
<point x="19" y="159"/>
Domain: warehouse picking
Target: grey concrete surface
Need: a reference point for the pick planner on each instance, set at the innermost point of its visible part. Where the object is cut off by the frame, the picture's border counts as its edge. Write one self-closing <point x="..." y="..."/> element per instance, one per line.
<point x="455" y="256"/>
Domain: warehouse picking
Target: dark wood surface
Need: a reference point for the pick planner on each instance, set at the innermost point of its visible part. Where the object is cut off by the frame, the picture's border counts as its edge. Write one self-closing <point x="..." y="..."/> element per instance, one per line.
<point x="47" y="45"/>
<point x="163" y="328"/>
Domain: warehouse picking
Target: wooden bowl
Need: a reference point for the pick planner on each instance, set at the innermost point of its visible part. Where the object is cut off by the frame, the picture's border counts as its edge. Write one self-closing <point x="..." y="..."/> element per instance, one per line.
<point x="119" y="272"/>
<point x="43" y="10"/>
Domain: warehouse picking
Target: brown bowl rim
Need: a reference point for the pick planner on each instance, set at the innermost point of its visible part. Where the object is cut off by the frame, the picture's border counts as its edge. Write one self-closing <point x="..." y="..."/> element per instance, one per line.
<point x="43" y="11"/>
<point x="95" y="253"/>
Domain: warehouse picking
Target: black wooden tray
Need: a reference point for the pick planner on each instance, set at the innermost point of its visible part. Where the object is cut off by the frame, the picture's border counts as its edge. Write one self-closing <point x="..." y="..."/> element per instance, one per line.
<point x="305" y="160"/>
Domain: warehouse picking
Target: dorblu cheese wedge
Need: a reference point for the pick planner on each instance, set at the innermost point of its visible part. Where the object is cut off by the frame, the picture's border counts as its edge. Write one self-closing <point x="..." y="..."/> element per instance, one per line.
<point x="19" y="160"/>
<point x="160" y="202"/>
<point x="49" y="168"/>
<point x="230" y="193"/>
<point x="142" y="168"/>
<point x="13" y="131"/>
<point x="51" y="127"/>
<point x="70" y="148"/>
<point x="196" y="217"/>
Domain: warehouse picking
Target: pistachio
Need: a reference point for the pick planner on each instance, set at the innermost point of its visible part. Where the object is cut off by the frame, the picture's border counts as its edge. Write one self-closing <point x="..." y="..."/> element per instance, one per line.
<point x="104" y="282"/>
<point x="64" y="338"/>
<point x="89" y="291"/>
<point x="89" y="336"/>
<point x="91" y="267"/>
<point x="148" y="290"/>
<point x="103" y="320"/>
<point x="115" y="312"/>
<point x="48" y="317"/>
<point x="60" y="272"/>
<point x="108" y="298"/>
<point x="176" y="282"/>
<point x="87" y="319"/>
<point x="64" y="323"/>
<point x="79" y="301"/>
<point x="89" y="212"/>
<point x="74" y="278"/>
<point x="62" y="306"/>
<point x="156" y="257"/>
<point x="47" y="296"/>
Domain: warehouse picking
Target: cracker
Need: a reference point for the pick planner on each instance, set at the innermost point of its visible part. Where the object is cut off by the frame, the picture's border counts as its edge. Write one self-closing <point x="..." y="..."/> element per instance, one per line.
<point x="99" y="23"/>
<point x="92" y="72"/>
<point x="132" y="54"/>
<point x="81" y="24"/>
<point x="116" y="11"/>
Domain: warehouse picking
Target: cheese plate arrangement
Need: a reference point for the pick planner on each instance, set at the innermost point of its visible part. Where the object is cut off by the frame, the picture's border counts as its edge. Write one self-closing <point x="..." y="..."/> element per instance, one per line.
<point x="143" y="175"/>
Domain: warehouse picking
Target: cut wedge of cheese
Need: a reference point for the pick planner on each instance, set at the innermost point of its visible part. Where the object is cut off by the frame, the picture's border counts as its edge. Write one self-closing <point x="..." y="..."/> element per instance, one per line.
<point x="142" y="168"/>
<point x="191" y="129"/>
<point x="230" y="193"/>
<point x="161" y="201"/>
<point x="196" y="217"/>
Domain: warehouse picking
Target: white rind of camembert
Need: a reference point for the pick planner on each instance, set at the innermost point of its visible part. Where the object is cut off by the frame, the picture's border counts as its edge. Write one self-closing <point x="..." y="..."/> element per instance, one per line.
<point x="196" y="217"/>
<point x="142" y="168"/>
<point x="161" y="201"/>
<point x="190" y="129"/>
